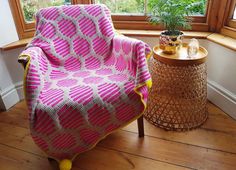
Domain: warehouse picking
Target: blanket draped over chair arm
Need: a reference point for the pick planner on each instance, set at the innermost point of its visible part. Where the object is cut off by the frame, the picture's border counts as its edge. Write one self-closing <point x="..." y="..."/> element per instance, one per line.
<point x="137" y="53"/>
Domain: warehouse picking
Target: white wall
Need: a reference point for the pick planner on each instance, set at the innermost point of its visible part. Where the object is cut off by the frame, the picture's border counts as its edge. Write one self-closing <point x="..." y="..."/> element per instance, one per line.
<point x="221" y="65"/>
<point x="11" y="76"/>
<point x="10" y="70"/>
<point x="221" y="77"/>
<point x="221" y="73"/>
<point x="8" y="32"/>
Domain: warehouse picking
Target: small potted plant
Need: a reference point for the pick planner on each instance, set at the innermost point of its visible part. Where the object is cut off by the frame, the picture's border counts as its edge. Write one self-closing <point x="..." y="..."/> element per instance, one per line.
<point x="173" y="15"/>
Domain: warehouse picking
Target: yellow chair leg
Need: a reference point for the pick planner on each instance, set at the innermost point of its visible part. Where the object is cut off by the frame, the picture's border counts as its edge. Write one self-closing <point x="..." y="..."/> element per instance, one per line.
<point x="65" y="164"/>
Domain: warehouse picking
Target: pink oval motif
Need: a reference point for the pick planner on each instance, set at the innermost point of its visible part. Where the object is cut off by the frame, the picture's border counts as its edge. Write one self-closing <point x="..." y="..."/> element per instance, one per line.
<point x="93" y="80"/>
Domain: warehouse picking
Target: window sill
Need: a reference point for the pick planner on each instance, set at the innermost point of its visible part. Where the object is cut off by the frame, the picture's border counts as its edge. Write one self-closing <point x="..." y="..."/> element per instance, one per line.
<point x="152" y="33"/>
<point x="214" y="37"/>
<point x="223" y="40"/>
<point x="16" y="44"/>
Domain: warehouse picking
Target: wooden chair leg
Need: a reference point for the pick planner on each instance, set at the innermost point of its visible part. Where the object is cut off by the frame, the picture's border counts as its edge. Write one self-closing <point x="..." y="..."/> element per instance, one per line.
<point x="53" y="163"/>
<point x="140" y="127"/>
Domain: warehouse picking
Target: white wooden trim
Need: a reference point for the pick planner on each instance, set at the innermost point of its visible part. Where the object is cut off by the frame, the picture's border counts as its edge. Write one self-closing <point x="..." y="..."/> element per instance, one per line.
<point x="221" y="97"/>
<point x="12" y="95"/>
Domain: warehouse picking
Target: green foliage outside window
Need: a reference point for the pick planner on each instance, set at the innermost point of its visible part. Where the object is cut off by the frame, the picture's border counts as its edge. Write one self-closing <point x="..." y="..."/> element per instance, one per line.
<point x="137" y="6"/>
<point x="30" y="7"/>
<point x="174" y="14"/>
<point x="121" y="6"/>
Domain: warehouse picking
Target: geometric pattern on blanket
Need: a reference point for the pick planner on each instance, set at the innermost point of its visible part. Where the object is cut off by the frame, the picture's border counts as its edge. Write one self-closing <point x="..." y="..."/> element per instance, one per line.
<point x="82" y="81"/>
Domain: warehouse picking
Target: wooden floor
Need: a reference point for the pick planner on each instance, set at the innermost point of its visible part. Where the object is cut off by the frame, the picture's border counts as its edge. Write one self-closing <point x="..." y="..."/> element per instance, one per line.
<point x="213" y="146"/>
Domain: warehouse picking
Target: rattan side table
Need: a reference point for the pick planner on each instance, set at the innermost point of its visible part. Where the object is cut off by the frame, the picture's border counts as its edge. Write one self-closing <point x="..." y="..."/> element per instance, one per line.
<point x="177" y="100"/>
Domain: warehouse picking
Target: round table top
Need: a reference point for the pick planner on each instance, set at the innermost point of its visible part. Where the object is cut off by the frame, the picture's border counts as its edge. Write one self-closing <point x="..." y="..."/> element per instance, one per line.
<point x="181" y="57"/>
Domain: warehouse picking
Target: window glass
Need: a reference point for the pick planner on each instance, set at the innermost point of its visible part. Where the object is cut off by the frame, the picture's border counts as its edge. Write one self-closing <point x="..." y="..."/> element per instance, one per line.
<point x="234" y="15"/>
<point x="146" y="6"/>
<point x="124" y="7"/>
<point x="30" y="7"/>
<point x="198" y="7"/>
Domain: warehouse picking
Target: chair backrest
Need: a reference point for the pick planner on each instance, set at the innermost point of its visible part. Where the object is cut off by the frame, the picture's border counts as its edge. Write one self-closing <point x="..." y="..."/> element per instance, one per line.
<point x="75" y="31"/>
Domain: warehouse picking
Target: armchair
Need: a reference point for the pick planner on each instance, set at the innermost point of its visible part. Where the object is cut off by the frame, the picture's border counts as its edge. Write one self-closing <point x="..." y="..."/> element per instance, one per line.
<point x="82" y="81"/>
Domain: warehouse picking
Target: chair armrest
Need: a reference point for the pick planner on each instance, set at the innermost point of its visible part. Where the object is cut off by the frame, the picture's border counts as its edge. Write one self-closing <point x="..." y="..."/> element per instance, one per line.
<point x="120" y="41"/>
<point x="33" y="55"/>
<point x="23" y="60"/>
<point x="32" y="59"/>
<point x="136" y="54"/>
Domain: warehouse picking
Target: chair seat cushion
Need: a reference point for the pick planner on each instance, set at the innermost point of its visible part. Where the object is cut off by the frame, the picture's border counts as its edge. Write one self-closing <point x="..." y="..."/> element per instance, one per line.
<point x="83" y="87"/>
<point x="76" y="109"/>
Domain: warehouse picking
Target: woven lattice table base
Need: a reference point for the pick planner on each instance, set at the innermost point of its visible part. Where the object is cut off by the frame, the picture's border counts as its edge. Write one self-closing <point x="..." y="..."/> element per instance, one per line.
<point x="178" y="97"/>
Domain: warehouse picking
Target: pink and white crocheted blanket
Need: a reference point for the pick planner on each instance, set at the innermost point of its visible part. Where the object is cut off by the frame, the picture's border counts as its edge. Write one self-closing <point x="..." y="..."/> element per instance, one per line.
<point x="82" y="81"/>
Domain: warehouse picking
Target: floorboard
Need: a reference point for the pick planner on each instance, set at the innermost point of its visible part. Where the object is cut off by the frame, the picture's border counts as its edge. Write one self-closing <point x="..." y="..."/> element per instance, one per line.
<point x="210" y="147"/>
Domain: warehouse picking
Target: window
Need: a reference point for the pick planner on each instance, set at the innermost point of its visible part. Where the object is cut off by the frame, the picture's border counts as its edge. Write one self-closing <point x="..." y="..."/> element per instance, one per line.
<point x="143" y="7"/>
<point x="29" y="8"/>
<point x="133" y="14"/>
<point x="23" y="13"/>
<point x="135" y="7"/>
<point x="234" y="15"/>
<point x="126" y="14"/>
<point x="231" y="19"/>
<point x="229" y="24"/>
